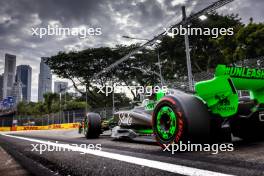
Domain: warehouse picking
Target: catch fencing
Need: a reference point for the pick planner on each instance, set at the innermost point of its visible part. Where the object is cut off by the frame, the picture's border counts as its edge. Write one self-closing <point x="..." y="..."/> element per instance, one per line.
<point x="49" y="119"/>
<point x="205" y="75"/>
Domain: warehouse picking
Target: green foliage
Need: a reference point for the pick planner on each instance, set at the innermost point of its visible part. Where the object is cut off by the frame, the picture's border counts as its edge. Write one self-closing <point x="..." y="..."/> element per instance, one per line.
<point x="49" y="101"/>
<point x="248" y="42"/>
<point x="84" y="64"/>
<point x="73" y="105"/>
<point x="50" y="105"/>
<point x="205" y="52"/>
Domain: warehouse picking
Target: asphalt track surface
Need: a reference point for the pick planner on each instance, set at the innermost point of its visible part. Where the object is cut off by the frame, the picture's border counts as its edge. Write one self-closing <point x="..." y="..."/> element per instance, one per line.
<point x="140" y="157"/>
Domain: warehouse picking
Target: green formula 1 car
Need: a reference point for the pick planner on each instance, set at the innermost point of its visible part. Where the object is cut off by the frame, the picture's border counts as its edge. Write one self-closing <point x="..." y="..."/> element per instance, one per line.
<point x="212" y="113"/>
<point x="215" y="111"/>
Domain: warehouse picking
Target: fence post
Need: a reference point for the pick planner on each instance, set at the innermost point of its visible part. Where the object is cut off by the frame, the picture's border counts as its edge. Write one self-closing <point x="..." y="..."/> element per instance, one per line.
<point x="73" y="114"/>
<point x="68" y="117"/>
<point x="53" y="116"/>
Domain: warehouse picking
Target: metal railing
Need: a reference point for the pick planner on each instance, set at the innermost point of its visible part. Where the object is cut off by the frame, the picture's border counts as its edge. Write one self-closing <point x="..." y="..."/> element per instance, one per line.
<point x="48" y="119"/>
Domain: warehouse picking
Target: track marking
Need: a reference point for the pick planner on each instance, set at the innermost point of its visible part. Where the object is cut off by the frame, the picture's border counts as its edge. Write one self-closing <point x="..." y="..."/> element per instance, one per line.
<point x="178" y="169"/>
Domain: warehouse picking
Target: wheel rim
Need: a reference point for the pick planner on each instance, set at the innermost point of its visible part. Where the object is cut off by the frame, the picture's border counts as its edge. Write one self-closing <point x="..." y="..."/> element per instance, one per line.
<point x="166" y="123"/>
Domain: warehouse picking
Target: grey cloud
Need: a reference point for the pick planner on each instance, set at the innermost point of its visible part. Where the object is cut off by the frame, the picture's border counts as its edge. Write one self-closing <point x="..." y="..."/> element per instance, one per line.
<point x="140" y="18"/>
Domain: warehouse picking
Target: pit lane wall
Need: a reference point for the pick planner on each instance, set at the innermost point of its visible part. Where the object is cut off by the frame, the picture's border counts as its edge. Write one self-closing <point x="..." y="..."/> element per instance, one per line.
<point x="47" y="127"/>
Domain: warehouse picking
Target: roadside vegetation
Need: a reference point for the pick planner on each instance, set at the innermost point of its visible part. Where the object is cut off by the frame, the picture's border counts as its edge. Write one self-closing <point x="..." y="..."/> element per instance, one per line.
<point x="51" y="104"/>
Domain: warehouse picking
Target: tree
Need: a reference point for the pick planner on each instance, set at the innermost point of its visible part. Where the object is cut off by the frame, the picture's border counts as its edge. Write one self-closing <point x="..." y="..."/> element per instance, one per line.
<point x="74" y="105"/>
<point x="49" y="99"/>
<point x="80" y="67"/>
<point x="248" y="42"/>
<point x="21" y="108"/>
<point x="50" y="105"/>
<point x="205" y="52"/>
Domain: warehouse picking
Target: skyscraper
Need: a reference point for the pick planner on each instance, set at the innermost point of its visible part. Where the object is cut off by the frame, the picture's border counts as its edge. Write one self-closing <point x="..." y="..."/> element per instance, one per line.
<point x="1" y="86"/>
<point x="17" y="91"/>
<point x="23" y="75"/>
<point x="9" y="74"/>
<point x="45" y="79"/>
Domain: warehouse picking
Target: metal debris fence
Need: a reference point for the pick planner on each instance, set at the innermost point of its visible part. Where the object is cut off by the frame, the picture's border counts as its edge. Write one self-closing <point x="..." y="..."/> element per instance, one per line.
<point x="48" y="119"/>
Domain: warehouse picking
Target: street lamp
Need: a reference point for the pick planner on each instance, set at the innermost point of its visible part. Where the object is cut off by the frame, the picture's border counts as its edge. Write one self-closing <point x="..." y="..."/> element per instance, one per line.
<point x="86" y="96"/>
<point x="187" y="50"/>
<point x="113" y="99"/>
<point x="158" y="41"/>
<point x="161" y="78"/>
<point x="86" y="99"/>
<point x="128" y="37"/>
<point x="140" y="52"/>
<point x="203" y="17"/>
<point x="60" y="101"/>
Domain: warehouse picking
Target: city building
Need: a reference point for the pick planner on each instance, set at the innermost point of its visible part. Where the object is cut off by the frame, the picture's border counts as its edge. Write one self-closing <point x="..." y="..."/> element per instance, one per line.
<point x="17" y="91"/>
<point x="24" y="75"/>
<point x="1" y="86"/>
<point x="9" y="74"/>
<point x="60" y="86"/>
<point x="45" y="79"/>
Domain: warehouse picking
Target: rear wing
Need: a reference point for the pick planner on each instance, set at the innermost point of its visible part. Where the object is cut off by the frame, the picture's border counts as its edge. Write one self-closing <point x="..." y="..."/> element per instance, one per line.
<point x="243" y="78"/>
<point x="220" y="93"/>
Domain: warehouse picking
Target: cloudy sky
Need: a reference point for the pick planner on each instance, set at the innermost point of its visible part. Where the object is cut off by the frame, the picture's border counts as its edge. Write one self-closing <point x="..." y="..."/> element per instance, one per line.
<point x="137" y="18"/>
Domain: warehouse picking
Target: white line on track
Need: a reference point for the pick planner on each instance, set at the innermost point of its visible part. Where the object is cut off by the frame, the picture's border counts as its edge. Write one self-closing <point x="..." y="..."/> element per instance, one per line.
<point x="178" y="169"/>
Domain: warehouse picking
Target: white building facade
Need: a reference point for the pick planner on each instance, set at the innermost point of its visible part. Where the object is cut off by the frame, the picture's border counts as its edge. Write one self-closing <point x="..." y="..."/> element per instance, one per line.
<point x="45" y="79"/>
<point x="9" y="75"/>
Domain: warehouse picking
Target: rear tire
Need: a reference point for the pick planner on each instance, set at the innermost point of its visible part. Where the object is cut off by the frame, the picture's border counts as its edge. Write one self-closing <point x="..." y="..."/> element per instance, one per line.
<point x="192" y="122"/>
<point x="93" y="126"/>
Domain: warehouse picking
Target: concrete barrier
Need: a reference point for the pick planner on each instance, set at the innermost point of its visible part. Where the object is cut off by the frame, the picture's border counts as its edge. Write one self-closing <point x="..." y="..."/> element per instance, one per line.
<point x="46" y="127"/>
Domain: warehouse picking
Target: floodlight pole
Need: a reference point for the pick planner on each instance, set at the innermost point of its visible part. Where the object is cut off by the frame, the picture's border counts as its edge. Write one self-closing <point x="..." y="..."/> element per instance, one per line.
<point x="160" y="75"/>
<point x="86" y="99"/>
<point x="113" y="98"/>
<point x="187" y="50"/>
<point x="60" y="103"/>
